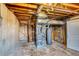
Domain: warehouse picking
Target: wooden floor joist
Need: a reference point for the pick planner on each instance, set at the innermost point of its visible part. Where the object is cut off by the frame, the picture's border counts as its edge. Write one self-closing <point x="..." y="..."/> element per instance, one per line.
<point x="21" y="6"/>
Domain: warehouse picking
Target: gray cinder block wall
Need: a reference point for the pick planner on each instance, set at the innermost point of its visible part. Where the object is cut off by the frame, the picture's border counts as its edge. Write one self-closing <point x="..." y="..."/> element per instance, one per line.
<point x="9" y="30"/>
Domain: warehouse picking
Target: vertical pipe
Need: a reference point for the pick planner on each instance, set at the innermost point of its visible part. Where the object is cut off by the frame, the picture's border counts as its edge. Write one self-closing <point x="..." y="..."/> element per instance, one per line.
<point x="65" y="33"/>
<point x="28" y="31"/>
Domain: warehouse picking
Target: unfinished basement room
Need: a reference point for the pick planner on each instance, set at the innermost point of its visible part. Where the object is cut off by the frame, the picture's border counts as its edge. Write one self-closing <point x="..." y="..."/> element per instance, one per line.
<point x="39" y="29"/>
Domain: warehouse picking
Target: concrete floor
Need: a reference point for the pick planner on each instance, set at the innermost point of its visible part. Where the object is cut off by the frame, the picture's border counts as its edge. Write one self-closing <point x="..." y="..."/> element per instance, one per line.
<point x="55" y="49"/>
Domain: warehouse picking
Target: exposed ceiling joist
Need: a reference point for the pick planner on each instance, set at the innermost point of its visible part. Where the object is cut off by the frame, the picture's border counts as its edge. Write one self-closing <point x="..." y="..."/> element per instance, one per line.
<point x="27" y="11"/>
<point x="56" y="14"/>
<point x="66" y="11"/>
<point x="23" y="9"/>
<point x="20" y="11"/>
<point x="22" y="14"/>
<point x="22" y="6"/>
<point x="23" y="17"/>
<point x="71" y="5"/>
<point x="23" y="20"/>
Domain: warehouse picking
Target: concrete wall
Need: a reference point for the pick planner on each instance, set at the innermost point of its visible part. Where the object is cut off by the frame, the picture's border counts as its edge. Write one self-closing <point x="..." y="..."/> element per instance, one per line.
<point x="73" y="33"/>
<point x="9" y="31"/>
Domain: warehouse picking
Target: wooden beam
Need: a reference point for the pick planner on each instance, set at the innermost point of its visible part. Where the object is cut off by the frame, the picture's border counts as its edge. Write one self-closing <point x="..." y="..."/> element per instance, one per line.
<point x="17" y="8"/>
<point x="71" y="5"/>
<point x="34" y="4"/>
<point x="19" y="14"/>
<point x="21" y="11"/>
<point x="23" y="20"/>
<point x="55" y="14"/>
<point x="20" y="6"/>
<point x="23" y="17"/>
